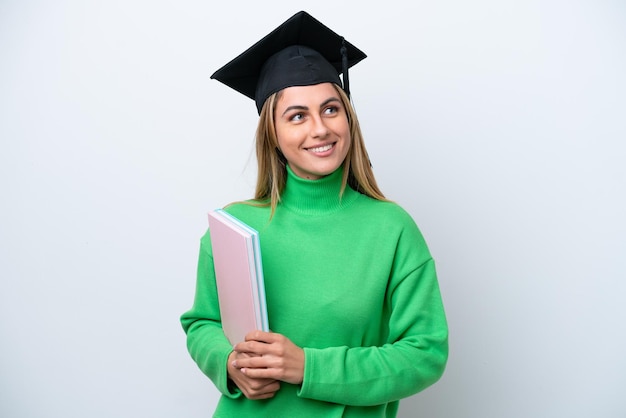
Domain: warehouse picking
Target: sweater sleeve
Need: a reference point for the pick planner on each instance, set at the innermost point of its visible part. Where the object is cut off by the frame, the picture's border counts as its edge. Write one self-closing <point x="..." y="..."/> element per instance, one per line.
<point x="415" y="353"/>
<point x="206" y="342"/>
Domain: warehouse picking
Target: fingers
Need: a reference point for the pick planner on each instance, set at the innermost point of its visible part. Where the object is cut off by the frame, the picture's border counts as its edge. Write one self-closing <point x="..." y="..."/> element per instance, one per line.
<point x="257" y="349"/>
<point x="262" y="343"/>
<point x="251" y="387"/>
<point x="267" y="367"/>
<point x="262" y="336"/>
<point x="258" y="388"/>
<point x="269" y="356"/>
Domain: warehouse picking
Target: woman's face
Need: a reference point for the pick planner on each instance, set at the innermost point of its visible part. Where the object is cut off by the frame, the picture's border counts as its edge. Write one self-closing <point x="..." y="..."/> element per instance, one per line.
<point x="312" y="129"/>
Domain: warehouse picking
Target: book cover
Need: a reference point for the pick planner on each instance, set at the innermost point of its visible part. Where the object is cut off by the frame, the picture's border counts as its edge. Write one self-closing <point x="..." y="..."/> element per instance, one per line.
<point x="238" y="274"/>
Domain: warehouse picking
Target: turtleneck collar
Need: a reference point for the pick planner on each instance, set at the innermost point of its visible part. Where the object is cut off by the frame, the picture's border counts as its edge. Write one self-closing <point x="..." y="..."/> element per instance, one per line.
<point x="316" y="197"/>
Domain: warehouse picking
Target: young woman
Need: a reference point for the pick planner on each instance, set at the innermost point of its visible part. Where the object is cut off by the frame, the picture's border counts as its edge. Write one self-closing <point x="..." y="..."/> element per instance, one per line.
<point x="353" y="300"/>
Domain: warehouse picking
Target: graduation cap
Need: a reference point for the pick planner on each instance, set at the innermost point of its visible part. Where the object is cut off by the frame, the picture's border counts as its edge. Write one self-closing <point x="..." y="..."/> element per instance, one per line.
<point x="300" y="52"/>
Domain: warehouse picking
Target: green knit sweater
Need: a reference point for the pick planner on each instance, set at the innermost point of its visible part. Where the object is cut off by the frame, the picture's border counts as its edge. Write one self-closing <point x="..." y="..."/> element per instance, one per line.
<point x="351" y="281"/>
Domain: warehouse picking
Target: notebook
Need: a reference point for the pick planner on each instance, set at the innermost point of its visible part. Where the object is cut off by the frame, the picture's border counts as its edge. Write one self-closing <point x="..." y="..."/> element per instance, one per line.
<point x="239" y="276"/>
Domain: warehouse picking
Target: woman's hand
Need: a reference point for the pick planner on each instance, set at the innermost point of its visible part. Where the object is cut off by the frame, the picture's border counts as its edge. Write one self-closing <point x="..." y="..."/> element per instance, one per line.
<point x="252" y="388"/>
<point x="269" y="356"/>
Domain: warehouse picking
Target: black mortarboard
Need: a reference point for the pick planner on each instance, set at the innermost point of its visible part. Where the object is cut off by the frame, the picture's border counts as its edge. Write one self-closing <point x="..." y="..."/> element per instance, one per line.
<point x="300" y="52"/>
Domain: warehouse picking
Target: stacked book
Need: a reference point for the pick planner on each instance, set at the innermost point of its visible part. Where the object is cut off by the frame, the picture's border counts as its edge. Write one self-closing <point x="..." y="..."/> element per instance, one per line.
<point x="239" y="276"/>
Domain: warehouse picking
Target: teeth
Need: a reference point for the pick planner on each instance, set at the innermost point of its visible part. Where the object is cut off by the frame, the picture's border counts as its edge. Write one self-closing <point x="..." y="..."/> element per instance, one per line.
<point x="321" y="149"/>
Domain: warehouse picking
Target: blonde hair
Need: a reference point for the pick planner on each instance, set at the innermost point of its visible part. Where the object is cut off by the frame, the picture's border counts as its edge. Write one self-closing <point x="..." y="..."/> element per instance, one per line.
<point x="272" y="172"/>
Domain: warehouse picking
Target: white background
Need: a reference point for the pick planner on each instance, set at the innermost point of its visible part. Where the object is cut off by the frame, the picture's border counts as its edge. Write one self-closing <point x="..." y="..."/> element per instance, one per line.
<point x="499" y="125"/>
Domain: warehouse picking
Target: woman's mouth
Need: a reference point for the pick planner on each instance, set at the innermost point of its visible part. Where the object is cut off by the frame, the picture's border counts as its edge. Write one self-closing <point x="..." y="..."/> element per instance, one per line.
<point x="321" y="149"/>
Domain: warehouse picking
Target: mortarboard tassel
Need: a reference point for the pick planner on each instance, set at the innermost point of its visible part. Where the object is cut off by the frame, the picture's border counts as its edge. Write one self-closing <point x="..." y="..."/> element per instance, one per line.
<point x="344" y="65"/>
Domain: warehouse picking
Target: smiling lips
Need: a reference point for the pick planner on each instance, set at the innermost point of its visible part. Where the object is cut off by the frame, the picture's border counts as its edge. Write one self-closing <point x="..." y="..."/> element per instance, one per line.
<point x="323" y="148"/>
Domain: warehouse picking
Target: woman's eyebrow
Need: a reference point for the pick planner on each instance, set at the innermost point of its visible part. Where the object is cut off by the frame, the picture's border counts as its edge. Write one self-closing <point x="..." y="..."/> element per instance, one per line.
<point x="294" y="107"/>
<point x="329" y="100"/>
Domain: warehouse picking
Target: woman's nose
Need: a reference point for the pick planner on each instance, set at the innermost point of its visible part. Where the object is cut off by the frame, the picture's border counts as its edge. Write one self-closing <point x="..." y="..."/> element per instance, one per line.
<point x="319" y="128"/>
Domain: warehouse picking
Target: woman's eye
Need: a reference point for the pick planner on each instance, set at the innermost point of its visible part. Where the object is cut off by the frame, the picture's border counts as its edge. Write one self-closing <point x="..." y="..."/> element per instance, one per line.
<point x="297" y="117"/>
<point x="331" y="110"/>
